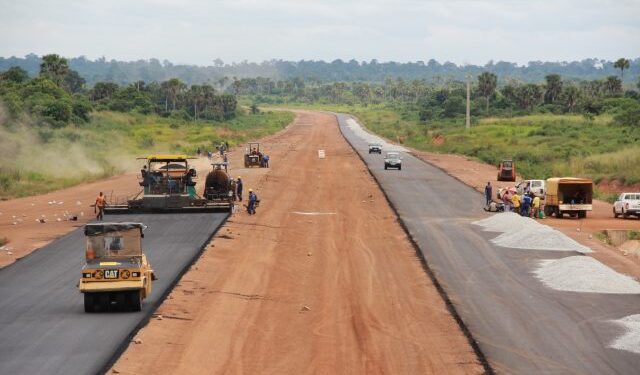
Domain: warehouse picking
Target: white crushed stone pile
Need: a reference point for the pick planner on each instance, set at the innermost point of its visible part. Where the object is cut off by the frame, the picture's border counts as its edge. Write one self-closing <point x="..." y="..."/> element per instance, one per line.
<point x="506" y="222"/>
<point x="361" y="133"/>
<point x="630" y="340"/>
<point x="584" y="274"/>
<point x="539" y="237"/>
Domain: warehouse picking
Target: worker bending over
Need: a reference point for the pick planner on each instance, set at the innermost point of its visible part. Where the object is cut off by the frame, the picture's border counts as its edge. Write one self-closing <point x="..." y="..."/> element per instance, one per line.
<point x="253" y="200"/>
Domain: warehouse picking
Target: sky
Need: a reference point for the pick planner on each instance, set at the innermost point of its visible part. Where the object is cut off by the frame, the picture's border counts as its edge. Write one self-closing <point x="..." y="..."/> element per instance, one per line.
<point x="199" y="31"/>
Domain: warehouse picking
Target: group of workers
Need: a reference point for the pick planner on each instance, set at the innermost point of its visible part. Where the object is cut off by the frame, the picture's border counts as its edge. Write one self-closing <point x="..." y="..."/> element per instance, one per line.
<point x="527" y="204"/>
<point x="253" y="198"/>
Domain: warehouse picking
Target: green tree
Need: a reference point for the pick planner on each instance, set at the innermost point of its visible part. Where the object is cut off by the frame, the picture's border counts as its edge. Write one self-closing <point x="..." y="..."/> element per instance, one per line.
<point x="73" y="82"/>
<point x="103" y="90"/>
<point x="553" y="88"/>
<point x="613" y="86"/>
<point x="15" y="74"/>
<point x="569" y="97"/>
<point x="487" y="83"/>
<point x="621" y="64"/>
<point x="54" y="67"/>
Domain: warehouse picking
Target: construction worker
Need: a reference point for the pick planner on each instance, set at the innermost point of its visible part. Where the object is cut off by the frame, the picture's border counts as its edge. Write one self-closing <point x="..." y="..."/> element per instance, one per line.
<point x="253" y="199"/>
<point x="536" y="207"/>
<point x="515" y="200"/>
<point x="239" y="189"/>
<point x="488" y="190"/>
<point x="98" y="208"/>
<point x="265" y="160"/>
<point x="225" y="161"/>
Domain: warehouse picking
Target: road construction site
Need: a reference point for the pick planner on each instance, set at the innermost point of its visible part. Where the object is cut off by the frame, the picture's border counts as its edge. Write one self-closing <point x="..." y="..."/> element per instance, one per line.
<point x="345" y="268"/>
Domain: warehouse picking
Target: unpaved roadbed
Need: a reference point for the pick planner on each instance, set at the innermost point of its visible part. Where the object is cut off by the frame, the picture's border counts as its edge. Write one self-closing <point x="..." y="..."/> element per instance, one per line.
<point x="285" y="292"/>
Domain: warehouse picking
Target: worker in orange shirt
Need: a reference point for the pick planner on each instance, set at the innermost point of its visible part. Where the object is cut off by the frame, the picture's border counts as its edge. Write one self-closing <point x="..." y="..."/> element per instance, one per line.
<point x="98" y="208"/>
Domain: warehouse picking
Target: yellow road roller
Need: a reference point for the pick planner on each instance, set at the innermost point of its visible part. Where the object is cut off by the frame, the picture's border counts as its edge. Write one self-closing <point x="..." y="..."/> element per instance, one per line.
<point x="117" y="275"/>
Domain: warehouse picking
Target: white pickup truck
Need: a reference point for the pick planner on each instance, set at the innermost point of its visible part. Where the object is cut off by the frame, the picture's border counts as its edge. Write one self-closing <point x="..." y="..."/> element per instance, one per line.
<point x="534" y="186"/>
<point x="626" y="205"/>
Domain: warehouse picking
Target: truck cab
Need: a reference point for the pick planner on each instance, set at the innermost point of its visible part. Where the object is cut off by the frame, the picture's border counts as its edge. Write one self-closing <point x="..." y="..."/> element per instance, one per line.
<point x="533" y="186"/>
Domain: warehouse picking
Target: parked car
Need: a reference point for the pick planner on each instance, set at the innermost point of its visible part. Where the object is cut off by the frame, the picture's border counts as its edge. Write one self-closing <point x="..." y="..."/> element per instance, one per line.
<point x="627" y="204"/>
<point x="534" y="186"/>
<point x="375" y="148"/>
<point x="393" y="160"/>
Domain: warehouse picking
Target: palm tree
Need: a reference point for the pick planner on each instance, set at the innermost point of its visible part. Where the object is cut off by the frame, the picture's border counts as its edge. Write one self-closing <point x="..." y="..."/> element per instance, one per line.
<point x="487" y="83"/>
<point x="553" y="88"/>
<point x="54" y="67"/>
<point x="622" y="64"/>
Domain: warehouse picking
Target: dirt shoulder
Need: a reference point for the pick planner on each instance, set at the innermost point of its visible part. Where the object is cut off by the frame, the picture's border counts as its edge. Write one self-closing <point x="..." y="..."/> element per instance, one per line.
<point x="28" y="234"/>
<point x="321" y="280"/>
<point x="476" y="174"/>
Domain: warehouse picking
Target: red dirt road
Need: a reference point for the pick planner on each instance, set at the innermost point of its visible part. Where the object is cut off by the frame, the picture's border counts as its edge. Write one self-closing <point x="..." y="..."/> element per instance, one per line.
<point x="321" y="280"/>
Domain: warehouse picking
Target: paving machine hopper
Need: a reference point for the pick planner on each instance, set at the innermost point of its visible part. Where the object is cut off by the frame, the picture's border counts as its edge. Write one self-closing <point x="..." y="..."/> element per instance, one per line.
<point x="168" y="185"/>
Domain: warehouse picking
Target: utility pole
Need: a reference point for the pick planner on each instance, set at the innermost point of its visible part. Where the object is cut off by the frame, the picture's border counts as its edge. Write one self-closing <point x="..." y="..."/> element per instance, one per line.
<point x="468" y="123"/>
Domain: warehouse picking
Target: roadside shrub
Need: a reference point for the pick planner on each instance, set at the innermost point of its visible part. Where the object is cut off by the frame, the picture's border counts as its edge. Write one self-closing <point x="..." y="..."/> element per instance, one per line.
<point x="629" y="116"/>
<point x="145" y="141"/>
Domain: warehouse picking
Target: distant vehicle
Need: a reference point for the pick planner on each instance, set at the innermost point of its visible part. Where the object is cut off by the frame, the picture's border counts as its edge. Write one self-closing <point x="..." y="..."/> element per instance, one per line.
<point x="253" y="155"/>
<point x="375" y="148"/>
<point x="627" y="204"/>
<point x="393" y="160"/>
<point x="568" y="195"/>
<point x="534" y="186"/>
<point x="507" y="170"/>
<point x="117" y="275"/>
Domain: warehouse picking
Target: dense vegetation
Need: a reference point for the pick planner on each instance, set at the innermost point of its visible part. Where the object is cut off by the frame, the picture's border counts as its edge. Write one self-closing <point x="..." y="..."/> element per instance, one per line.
<point x="435" y="103"/>
<point x="556" y="127"/>
<point x="153" y="70"/>
<point x="56" y="132"/>
<point x="58" y="96"/>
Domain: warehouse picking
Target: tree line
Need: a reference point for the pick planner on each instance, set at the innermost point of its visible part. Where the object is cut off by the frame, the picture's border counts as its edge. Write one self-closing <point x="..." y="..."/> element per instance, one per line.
<point x="59" y="95"/>
<point x="448" y="100"/>
<point x="154" y="70"/>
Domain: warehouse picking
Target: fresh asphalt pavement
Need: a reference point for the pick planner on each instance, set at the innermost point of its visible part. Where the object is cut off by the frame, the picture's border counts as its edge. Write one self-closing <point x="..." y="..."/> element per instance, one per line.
<point x="521" y="326"/>
<point x="43" y="326"/>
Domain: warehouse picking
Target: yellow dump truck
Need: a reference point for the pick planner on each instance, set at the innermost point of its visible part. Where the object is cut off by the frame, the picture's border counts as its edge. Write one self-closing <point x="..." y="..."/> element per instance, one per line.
<point x="117" y="275"/>
<point x="568" y="195"/>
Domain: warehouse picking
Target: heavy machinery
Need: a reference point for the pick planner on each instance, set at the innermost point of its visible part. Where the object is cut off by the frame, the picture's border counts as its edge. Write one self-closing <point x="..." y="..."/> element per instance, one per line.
<point x="507" y="170"/>
<point x="253" y="156"/>
<point x="568" y="195"/>
<point x="219" y="189"/>
<point x="168" y="185"/>
<point x="117" y="275"/>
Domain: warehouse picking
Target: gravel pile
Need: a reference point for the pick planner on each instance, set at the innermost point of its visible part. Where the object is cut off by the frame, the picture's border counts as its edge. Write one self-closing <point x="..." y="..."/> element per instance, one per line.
<point x="539" y="237"/>
<point x="506" y="222"/>
<point x="586" y="275"/>
<point x="630" y="340"/>
<point x="371" y="138"/>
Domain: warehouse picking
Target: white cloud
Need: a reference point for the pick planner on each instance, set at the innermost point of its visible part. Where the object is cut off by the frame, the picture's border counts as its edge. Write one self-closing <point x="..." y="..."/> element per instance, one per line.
<point x="197" y="31"/>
